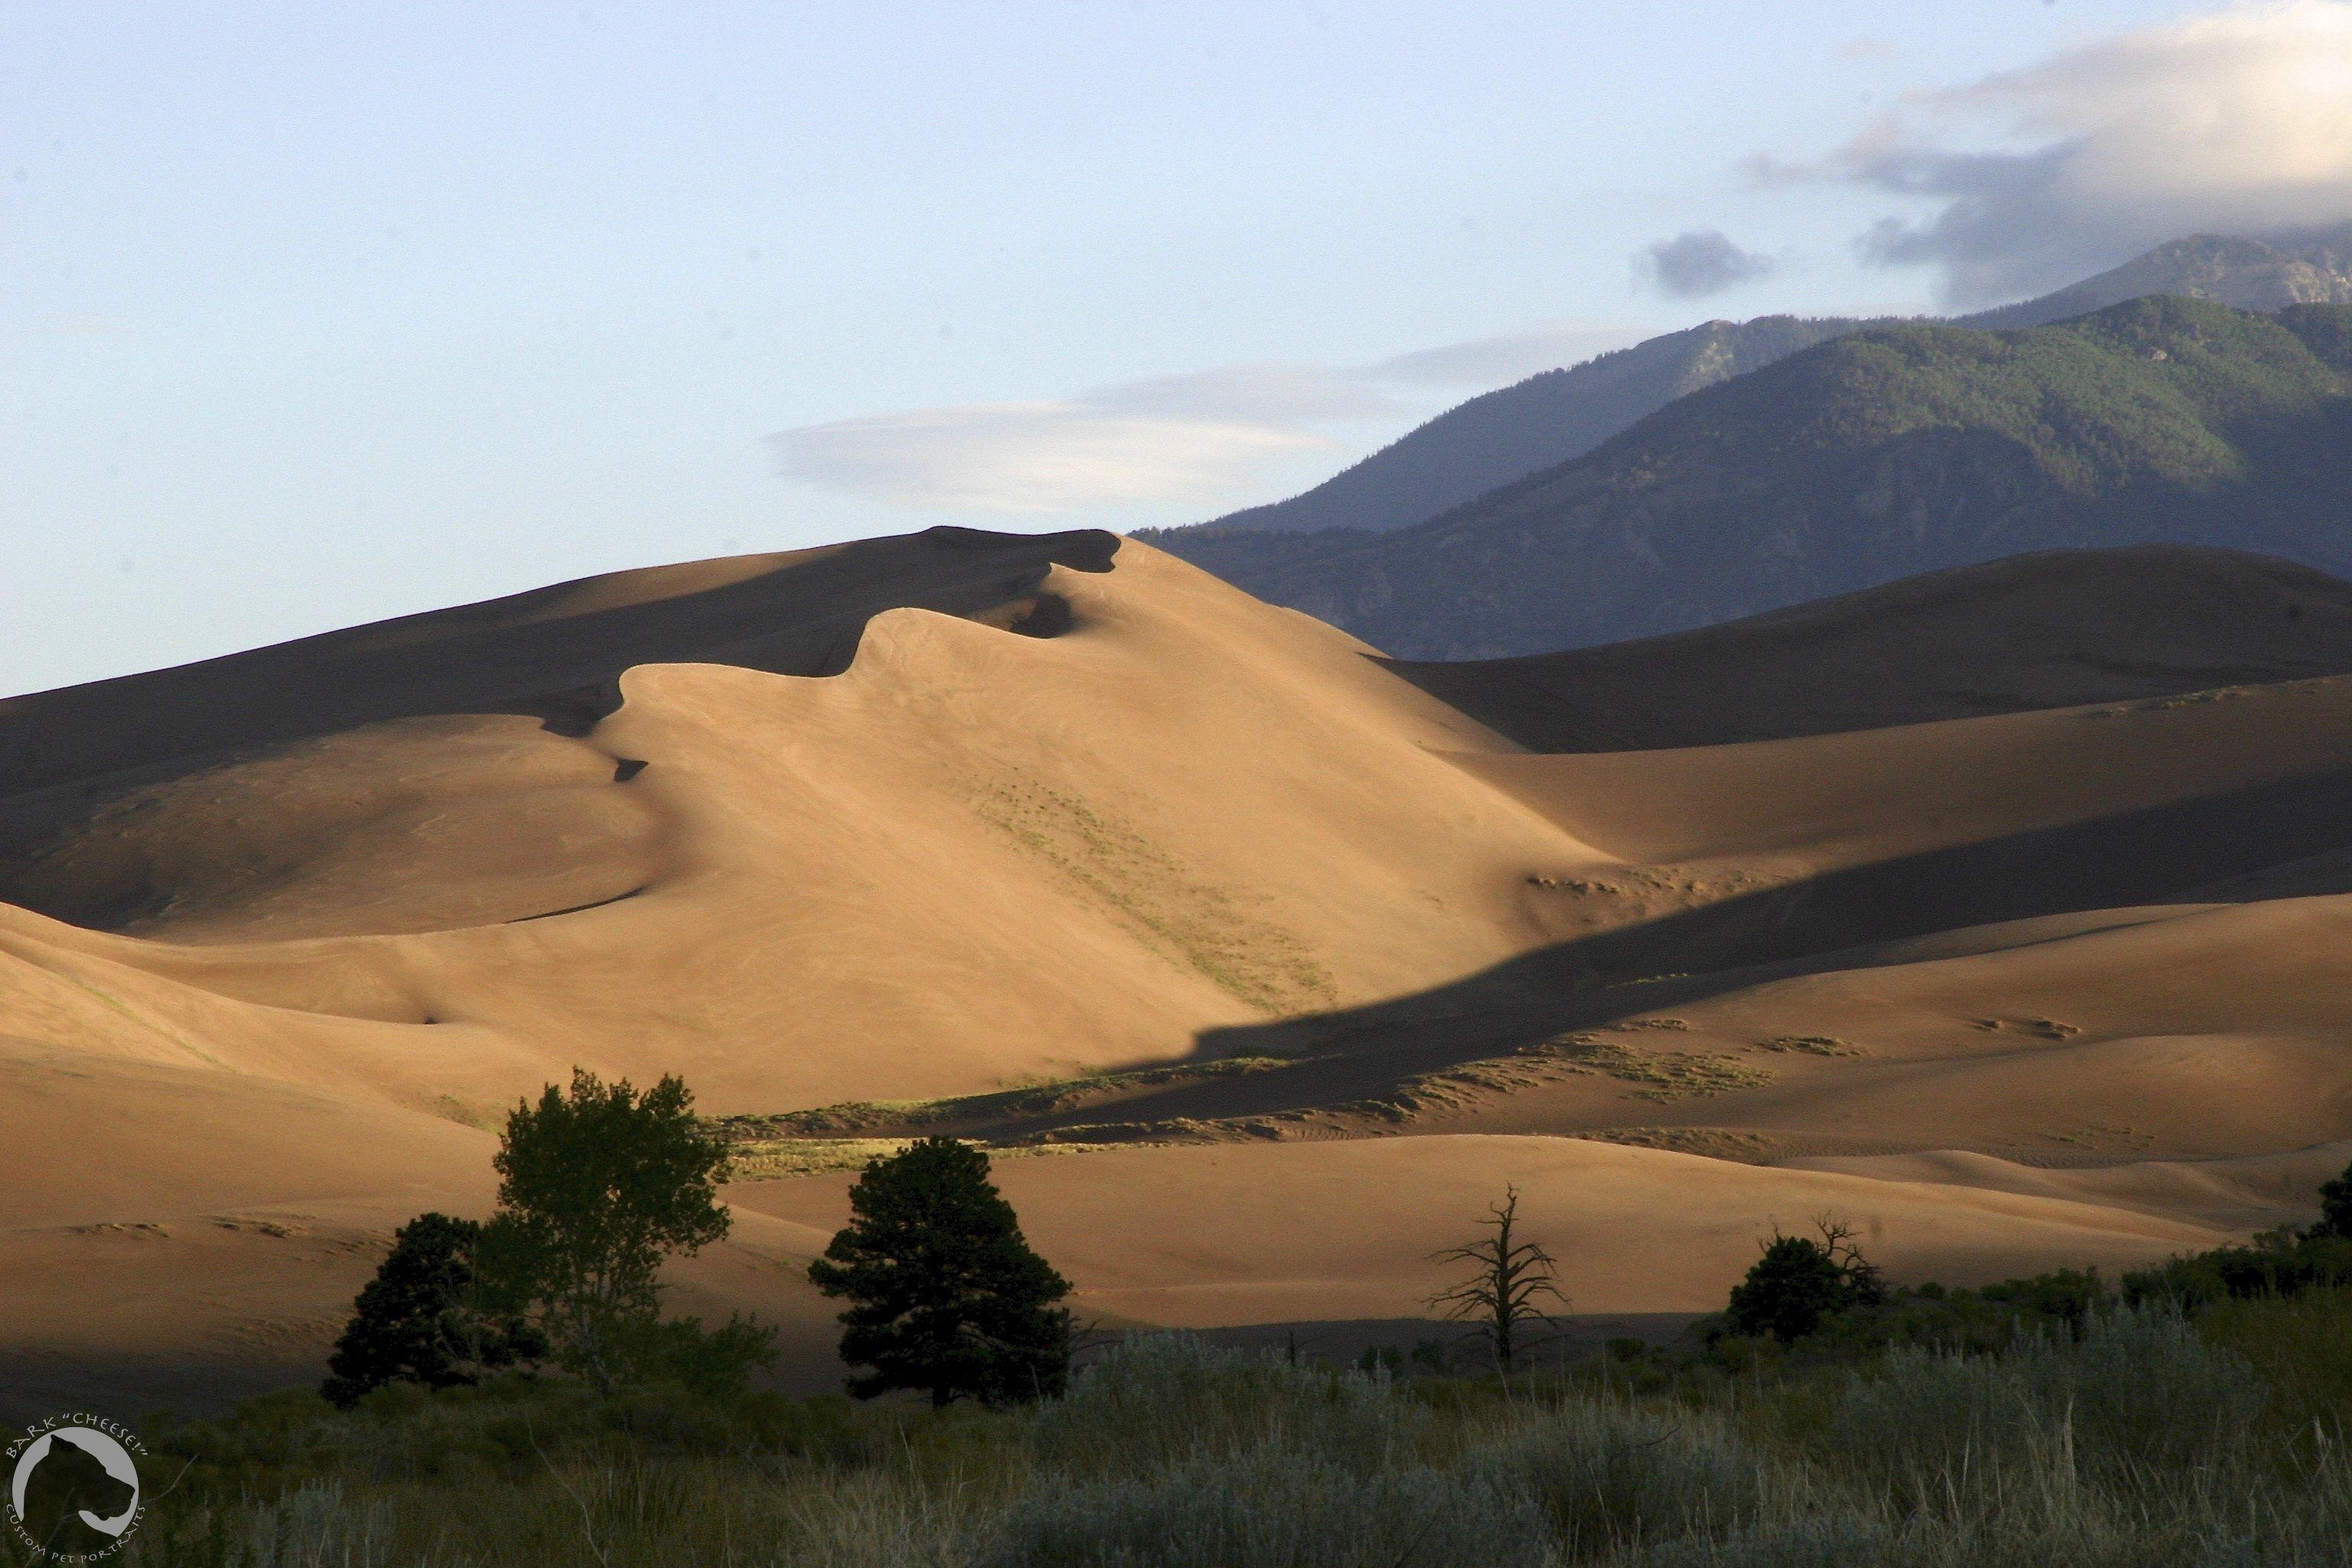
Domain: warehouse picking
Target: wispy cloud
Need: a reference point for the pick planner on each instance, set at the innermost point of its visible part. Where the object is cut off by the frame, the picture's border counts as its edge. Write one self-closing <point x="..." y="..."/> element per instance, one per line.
<point x="1855" y="50"/>
<point x="1202" y="437"/>
<point x="1509" y="357"/>
<point x="2239" y="123"/>
<point x="1037" y="457"/>
<point x="1698" y="263"/>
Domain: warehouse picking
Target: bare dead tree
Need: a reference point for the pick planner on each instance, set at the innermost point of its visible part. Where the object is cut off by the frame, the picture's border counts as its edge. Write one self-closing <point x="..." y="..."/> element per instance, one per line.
<point x="1865" y="1286"/>
<point x="1511" y="1276"/>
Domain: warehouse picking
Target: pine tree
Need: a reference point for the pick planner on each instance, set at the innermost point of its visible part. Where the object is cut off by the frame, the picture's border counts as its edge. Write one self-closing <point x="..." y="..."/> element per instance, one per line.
<point x="946" y="1295"/>
<point x="419" y="1320"/>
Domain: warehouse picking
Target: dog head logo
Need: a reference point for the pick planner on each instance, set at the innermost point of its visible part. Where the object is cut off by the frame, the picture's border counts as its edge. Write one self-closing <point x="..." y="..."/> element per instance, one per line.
<point x="73" y="1488"/>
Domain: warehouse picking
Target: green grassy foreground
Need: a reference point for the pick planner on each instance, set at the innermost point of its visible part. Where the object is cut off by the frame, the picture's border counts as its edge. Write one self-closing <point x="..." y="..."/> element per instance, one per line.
<point x="2144" y="1439"/>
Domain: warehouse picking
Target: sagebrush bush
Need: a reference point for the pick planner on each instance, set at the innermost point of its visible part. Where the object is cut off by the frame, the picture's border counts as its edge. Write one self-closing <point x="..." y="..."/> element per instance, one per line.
<point x="2148" y="1440"/>
<point x="2140" y="1391"/>
<point x="1608" y="1475"/>
<point x="1276" y="1508"/>
<point x="1160" y="1401"/>
<point x="1816" y="1542"/>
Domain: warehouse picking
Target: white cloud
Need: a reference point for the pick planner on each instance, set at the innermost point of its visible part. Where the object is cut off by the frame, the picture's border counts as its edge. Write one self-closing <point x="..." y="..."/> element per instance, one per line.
<point x="1277" y="394"/>
<point x="1202" y="437"/>
<point x="2236" y="123"/>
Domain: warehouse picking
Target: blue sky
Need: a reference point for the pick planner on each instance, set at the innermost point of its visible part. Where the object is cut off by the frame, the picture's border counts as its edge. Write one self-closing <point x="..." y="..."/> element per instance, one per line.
<point x="313" y="314"/>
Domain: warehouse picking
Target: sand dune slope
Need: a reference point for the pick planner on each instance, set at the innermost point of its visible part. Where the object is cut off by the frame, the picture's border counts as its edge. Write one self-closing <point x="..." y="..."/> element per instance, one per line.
<point x="2054" y="629"/>
<point x="173" y="1236"/>
<point x="944" y="815"/>
<point x="971" y="855"/>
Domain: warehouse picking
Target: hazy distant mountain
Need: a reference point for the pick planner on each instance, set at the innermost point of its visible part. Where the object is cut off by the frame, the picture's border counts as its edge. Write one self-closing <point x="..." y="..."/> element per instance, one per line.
<point x="1896" y="450"/>
<point x="1559" y="414"/>
<point x="1545" y="419"/>
<point x="2310" y="269"/>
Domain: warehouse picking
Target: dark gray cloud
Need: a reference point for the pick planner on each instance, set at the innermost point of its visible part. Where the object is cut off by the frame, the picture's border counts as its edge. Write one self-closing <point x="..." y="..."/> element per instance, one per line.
<point x="1700" y="262"/>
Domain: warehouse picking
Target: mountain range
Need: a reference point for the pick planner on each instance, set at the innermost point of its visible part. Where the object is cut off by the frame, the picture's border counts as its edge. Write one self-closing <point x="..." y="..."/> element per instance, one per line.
<point x="1559" y="414"/>
<point x="1873" y="456"/>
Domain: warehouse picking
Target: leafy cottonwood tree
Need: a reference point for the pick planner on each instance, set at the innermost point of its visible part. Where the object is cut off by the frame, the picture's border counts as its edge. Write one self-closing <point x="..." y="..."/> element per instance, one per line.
<point x="597" y="1185"/>
<point x="1510" y="1277"/>
<point x="421" y="1318"/>
<point x="946" y="1295"/>
<point x="1799" y="1282"/>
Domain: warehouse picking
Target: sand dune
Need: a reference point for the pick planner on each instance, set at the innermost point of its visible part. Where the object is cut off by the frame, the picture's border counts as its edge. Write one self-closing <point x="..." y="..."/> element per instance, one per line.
<point x="2055" y="630"/>
<point x="942" y="815"/>
<point x="1244" y="1233"/>
<point x="2245" y="1194"/>
<point x="175" y="1235"/>
<point x="977" y="855"/>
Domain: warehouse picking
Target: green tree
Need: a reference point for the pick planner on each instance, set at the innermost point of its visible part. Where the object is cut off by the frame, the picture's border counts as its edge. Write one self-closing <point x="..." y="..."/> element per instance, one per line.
<point x="1508" y="1278"/>
<point x="421" y="1318"/>
<point x="1799" y="1282"/>
<point x="596" y="1187"/>
<point x="2335" y="1208"/>
<point x="946" y="1295"/>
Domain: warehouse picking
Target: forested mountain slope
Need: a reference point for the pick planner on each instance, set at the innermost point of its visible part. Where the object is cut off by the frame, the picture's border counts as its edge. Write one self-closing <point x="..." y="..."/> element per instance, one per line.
<point x="1890" y="452"/>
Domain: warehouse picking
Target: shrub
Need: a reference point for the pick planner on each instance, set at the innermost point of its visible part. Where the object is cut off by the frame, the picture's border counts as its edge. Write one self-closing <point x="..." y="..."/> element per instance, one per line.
<point x="1160" y="1401"/>
<point x="1816" y="1542"/>
<point x="1609" y="1476"/>
<point x="1799" y="1282"/>
<point x="712" y="1363"/>
<point x="2139" y="1389"/>
<point x="2238" y="1273"/>
<point x="1272" y="1509"/>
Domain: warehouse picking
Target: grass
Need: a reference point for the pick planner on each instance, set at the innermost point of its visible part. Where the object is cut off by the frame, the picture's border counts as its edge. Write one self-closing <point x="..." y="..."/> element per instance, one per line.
<point x="1659" y="1074"/>
<point x="771" y="1158"/>
<point x="758" y="1160"/>
<point x="1716" y="1142"/>
<point x="1190" y="923"/>
<point x="1813" y="1046"/>
<point x="2146" y="1439"/>
<point x="997" y="1108"/>
<point x="1656" y="1075"/>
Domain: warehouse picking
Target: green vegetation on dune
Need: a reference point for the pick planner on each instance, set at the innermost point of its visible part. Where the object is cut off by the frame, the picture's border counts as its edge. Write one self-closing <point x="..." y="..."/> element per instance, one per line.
<point x="1877" y="456"/>
<point x="998" y="1110"/>
<point x="1194" y="924"/>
